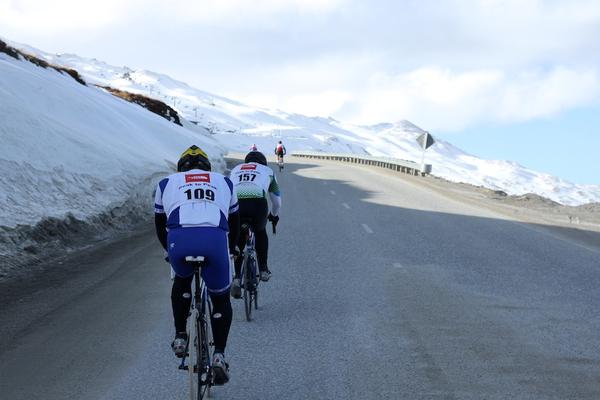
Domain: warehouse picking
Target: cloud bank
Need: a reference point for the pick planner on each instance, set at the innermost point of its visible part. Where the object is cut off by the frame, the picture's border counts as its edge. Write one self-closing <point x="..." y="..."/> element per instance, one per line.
<point x="446" y="64"/>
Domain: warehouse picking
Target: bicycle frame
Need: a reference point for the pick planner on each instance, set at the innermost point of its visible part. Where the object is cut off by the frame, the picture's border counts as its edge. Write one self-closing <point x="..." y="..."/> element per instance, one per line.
<point x="198" y="352"/>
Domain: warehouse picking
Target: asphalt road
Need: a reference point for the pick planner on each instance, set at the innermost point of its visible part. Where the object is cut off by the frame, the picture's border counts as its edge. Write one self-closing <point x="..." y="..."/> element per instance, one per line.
<point x="381" y="289"/>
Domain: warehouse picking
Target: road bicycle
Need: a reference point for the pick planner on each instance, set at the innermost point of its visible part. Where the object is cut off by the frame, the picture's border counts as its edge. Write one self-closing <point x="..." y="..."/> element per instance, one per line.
<point x="249" y="277"/>
<point x="199" y="342"/>
<point x="280" y="162"/>
<point x="249" y="271"/>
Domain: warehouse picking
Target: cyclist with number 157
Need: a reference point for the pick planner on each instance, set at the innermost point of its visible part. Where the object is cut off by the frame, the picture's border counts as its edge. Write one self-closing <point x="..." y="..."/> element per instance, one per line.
<point x="252" y="181"/>
<point x="196" y="213"/>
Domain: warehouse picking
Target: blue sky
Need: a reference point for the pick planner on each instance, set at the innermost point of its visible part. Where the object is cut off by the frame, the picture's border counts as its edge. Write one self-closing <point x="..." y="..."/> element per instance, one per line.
<point x="494" y="77"/>
<point x="566" y="145"/>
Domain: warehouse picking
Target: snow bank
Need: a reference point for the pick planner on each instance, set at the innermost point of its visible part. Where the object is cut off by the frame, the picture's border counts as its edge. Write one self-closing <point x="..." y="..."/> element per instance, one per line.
<point x="74" y="151"/>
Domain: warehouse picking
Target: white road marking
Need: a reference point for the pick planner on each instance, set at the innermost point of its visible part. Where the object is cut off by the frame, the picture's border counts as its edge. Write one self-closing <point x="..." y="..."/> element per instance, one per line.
<point x="398" y="265"/>
<point x="366" y="227"/>
<point x="332" y="192"/>
<point x="346" y="205"/>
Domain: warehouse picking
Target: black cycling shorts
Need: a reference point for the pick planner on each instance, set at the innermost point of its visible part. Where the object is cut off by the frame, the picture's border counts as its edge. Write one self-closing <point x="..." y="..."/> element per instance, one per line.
<point x="254" y="212"/>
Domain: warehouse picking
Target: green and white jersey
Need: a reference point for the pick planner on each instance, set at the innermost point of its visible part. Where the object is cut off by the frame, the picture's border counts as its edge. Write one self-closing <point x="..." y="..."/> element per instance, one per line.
<point x="255" y="181"/>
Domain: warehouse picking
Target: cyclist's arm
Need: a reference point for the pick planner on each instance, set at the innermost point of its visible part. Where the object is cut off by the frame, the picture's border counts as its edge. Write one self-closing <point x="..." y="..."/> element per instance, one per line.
<point x="233" y="220"/>
<point x="234" y="230"/>
<point x="284" y="150"/>
<point x="160" y="222"/>
<point x="275" y="196"/>
<point x="160" y="217"/>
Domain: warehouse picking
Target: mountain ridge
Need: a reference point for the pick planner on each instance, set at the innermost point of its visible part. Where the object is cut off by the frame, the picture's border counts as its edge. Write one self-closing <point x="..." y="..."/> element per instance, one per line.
<point x="237" y="126"/>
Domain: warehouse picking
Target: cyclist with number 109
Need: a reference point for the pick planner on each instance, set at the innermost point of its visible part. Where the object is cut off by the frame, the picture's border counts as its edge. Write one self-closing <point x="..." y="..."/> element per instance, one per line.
<point x="252" y="181"/>
<point x="196" y="213"/>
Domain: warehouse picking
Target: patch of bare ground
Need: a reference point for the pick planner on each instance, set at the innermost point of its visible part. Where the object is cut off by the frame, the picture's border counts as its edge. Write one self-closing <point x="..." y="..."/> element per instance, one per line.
<point x="579" y="224"/>
<point x="153" y="105"/>
<point x="18" y="54"/>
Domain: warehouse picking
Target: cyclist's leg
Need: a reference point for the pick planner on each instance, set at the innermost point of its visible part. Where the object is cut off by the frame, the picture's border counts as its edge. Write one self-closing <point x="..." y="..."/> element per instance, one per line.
<point x="216" y="275"/>
<point x="259" y="224"/>
<point x="181" y="299"/>
<point x="237" y="264"/>
<point x="262" y="249"/>
<point x="221" y="317"/>
<point x="245" y="217"/>
<point x="179" y="241"/>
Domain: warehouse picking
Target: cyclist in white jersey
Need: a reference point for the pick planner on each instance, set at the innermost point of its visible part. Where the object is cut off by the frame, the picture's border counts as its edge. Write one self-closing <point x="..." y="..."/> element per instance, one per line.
<point x="196" y="214"/>
<point x="252" y="181"/>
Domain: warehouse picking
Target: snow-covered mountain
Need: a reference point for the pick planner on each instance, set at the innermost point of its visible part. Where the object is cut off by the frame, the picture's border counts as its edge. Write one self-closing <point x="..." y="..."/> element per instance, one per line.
<point x="236" y="126"/>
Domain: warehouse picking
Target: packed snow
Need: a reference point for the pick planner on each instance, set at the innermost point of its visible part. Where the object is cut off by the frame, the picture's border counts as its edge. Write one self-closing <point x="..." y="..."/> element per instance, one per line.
<point x="68" y="148"/>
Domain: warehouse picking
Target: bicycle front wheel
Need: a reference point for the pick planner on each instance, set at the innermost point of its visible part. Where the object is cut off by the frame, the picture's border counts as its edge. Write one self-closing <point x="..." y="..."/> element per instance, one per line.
<point x="247" y="287"/>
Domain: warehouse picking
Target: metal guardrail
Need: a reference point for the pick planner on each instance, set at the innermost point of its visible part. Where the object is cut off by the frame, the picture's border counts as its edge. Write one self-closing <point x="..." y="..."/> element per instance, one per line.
<point x="404" y="166"/>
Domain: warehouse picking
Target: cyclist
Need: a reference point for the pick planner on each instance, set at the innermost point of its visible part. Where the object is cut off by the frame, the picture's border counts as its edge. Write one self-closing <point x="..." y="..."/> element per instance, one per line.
<point x="280" y="152"/>
<point x="253" y="148"/>
<point x="252" y="181"/>
<point x="194" y="211"/>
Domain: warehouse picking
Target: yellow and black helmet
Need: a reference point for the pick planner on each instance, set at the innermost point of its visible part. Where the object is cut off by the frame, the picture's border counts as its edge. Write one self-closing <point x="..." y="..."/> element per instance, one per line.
<point x="193" y="158"/>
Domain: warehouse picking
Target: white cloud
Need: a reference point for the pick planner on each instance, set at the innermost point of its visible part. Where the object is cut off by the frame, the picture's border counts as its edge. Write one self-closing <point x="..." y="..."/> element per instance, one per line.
<point x="323" y="103"/>
<point x="442" y="99"/>
<point x="58" y="16"/>
<point x="432" y="96"/>
<point x="444" y="64"/>
<point x="538" y="94"/>
<point x="345" y="87"/>
<point x="239" y="10"/>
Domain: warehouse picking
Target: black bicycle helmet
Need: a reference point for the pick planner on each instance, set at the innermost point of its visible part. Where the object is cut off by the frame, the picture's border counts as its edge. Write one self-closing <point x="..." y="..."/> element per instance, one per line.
<point x="257" y="157"/>
<point x="193" y="158"/>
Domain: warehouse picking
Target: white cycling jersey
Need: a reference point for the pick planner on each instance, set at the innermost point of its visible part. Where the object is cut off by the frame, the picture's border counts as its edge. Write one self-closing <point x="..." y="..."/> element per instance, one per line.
<point x="253" y="181"/>
<point x="196" y="198"/>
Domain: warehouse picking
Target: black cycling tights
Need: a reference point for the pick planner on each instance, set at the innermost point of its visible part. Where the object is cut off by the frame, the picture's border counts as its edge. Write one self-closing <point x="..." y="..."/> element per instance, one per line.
<point x="255" y="212"/>
<point x="262" y="248"/>
<point x="181" y="298"/>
